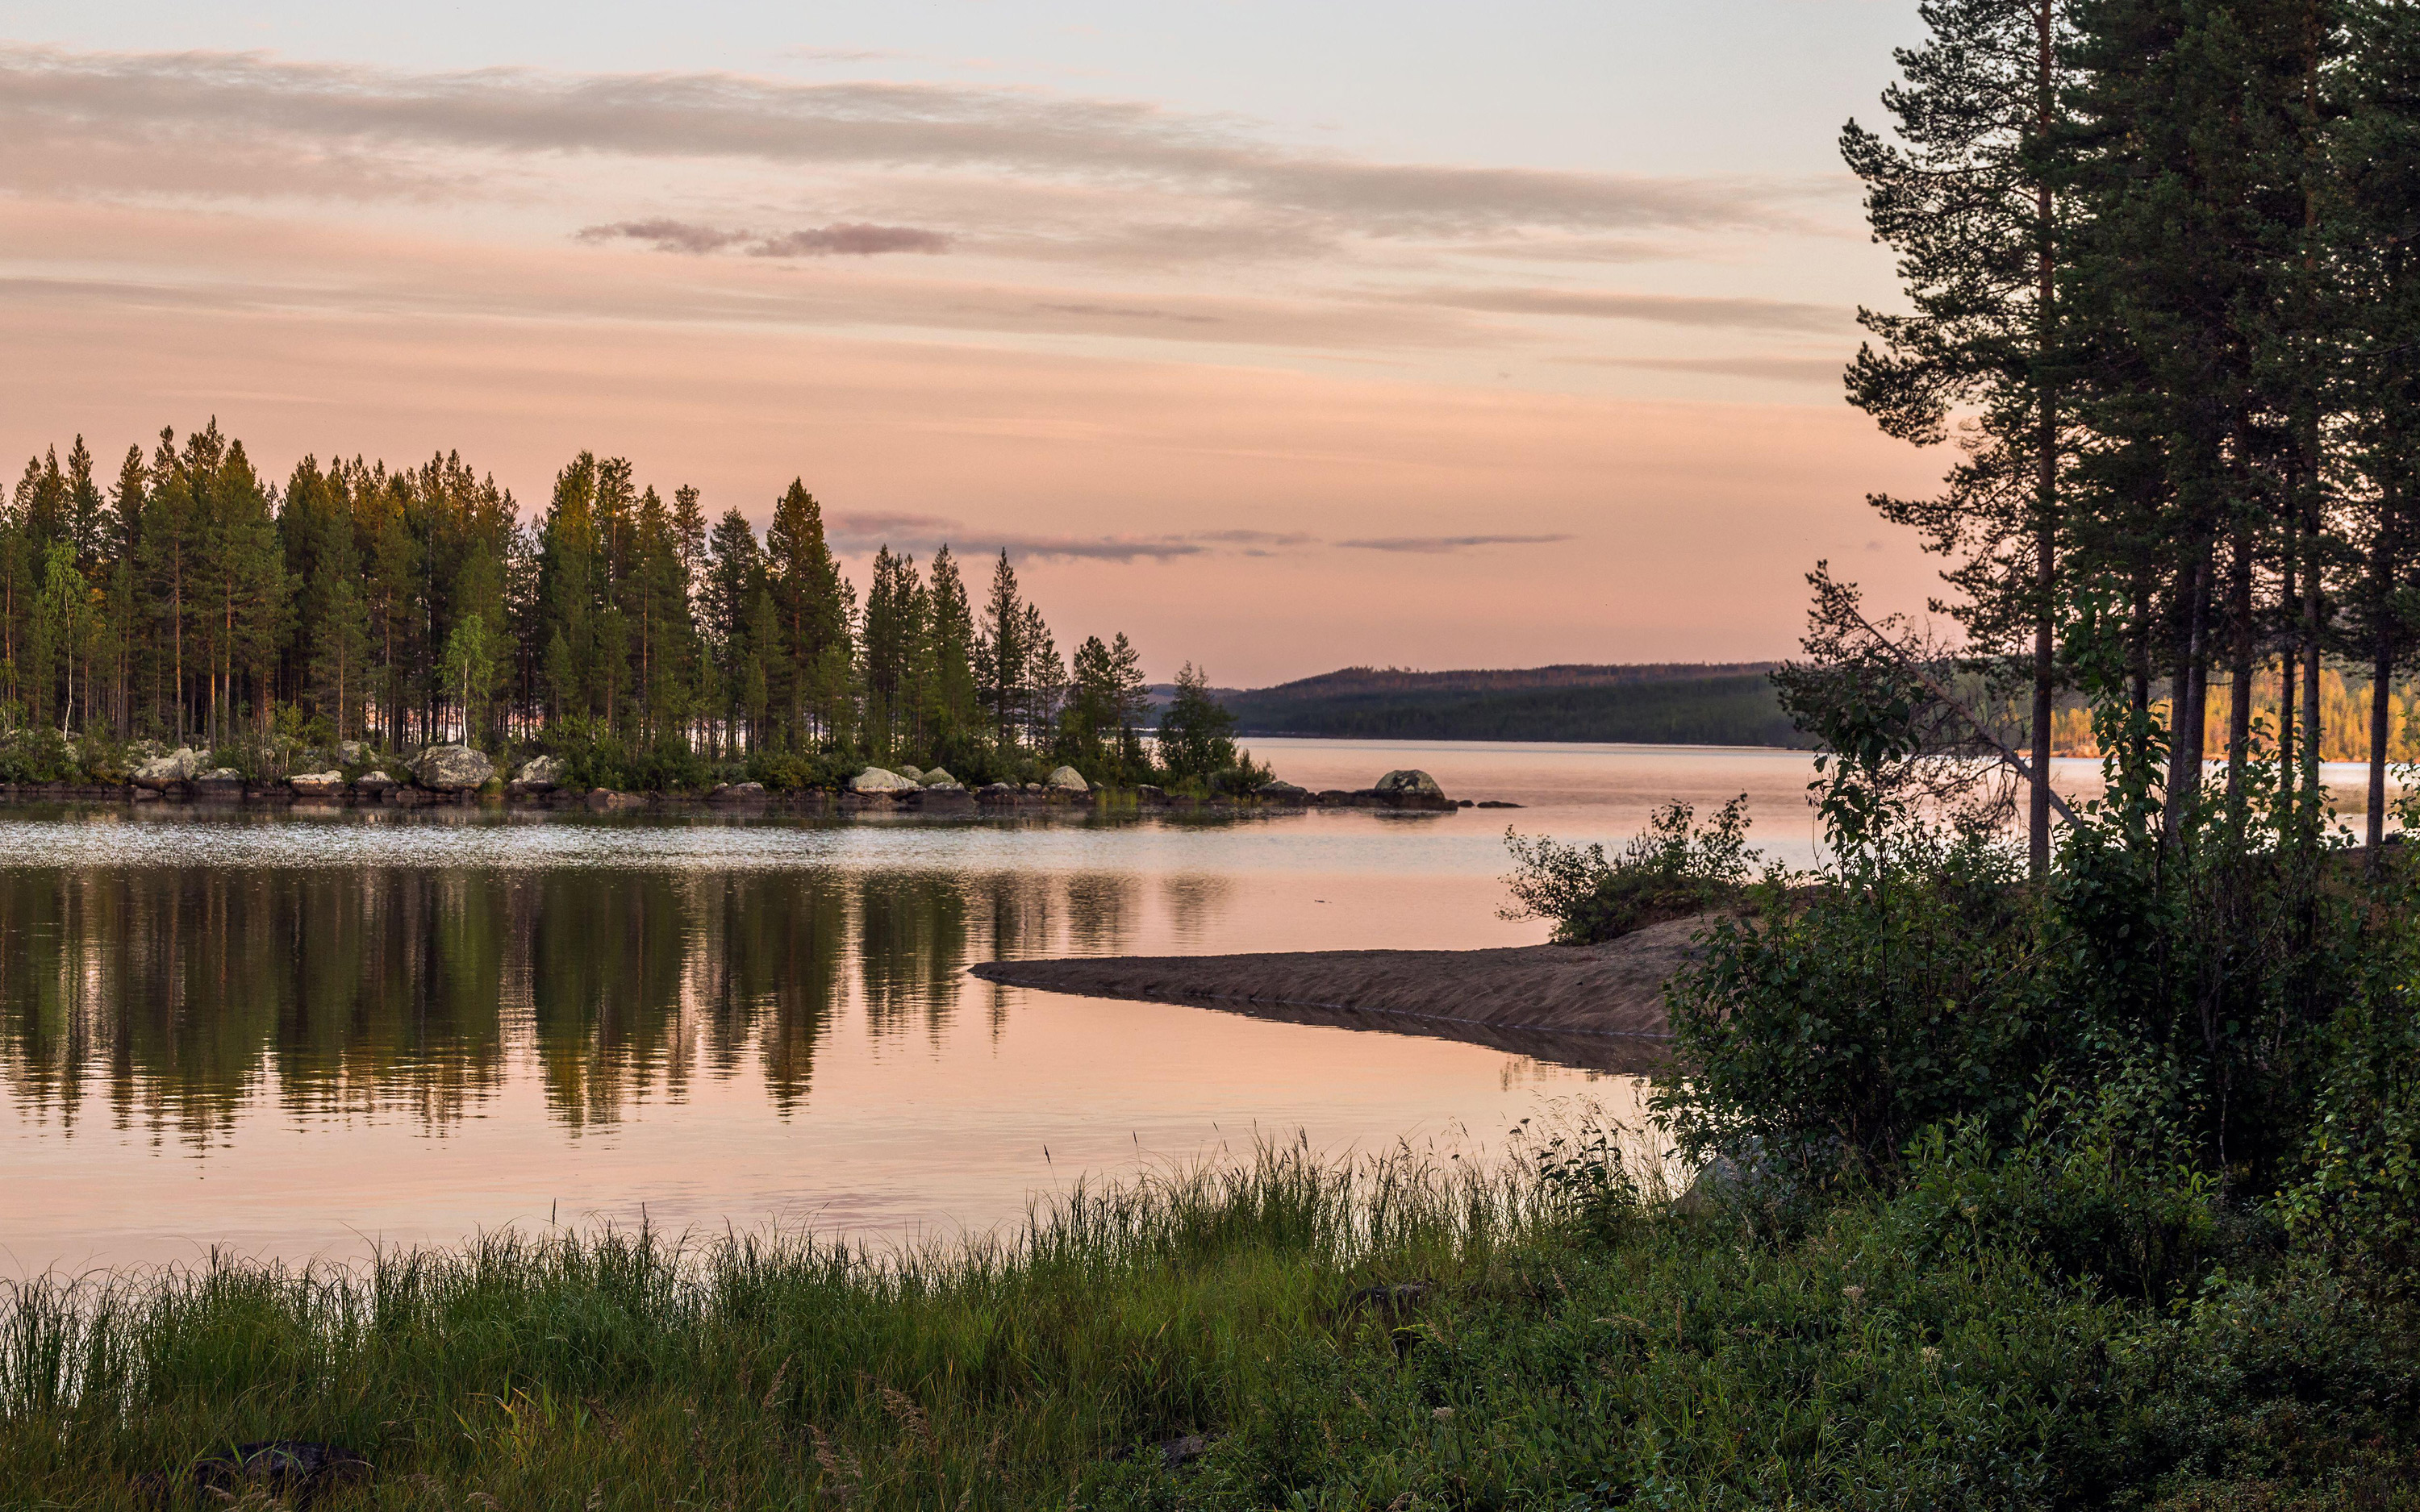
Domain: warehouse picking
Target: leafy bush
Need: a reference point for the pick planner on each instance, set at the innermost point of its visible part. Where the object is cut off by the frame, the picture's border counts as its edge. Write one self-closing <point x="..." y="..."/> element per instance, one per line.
<point x="790" y="771"/>
<point x="37" y="753"/>
<point x="1838" y="1019"/>
<point x="1673" y="870"/>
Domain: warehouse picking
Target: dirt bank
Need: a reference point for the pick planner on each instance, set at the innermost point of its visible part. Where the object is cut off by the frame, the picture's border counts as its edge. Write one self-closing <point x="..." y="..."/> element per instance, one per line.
<point x="1601" y="1006"/>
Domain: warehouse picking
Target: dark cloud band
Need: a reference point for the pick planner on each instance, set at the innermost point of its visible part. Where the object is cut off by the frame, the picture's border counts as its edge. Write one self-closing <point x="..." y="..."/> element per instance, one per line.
<point x="857" y="239"/>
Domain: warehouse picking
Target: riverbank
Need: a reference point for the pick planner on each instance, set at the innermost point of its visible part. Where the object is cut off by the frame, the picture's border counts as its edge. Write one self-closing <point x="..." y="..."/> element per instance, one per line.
<point x="1614" y="990"/>
<point x="1544" y="1329"/>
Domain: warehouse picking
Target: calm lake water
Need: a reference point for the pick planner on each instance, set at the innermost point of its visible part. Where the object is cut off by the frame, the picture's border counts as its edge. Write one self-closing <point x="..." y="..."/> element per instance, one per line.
<point x="302" y="1034"/>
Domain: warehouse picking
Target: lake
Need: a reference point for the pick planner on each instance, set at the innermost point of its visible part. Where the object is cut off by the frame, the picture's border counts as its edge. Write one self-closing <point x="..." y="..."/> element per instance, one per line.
<point x="299" y="1035"/>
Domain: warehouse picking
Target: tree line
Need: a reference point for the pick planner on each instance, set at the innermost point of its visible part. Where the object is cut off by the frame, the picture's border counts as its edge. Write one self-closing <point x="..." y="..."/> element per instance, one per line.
<point x="190" y="600"/>
<point x="2162" y="265"/>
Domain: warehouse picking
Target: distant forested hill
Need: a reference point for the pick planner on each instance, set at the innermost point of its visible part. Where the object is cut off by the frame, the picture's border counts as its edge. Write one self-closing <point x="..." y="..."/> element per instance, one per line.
<point x="1675" y="703"/>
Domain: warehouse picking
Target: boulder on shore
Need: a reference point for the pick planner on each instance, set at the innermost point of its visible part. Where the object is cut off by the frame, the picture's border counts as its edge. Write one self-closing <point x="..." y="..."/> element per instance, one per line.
<point x="374" y="783"/>
<point x="913" y="775"/>
<point x="940" y="778"/>
<point x="317" y="784"/>
<point x="737" y="793"/>
<point x="452" y="769"/>
<point x="1285" y="792"/>
<point x="1409" y="783"/>
<point x="352" y="753"/>
<point x="874" y="780"/>
<point x="1066" y="779"/>
<point x="182" y="765"/>
<point x="540" y="774"/>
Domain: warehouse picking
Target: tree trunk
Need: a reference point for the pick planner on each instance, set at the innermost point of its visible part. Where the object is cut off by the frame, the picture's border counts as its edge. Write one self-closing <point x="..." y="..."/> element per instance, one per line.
<point x="2285" y="769"/>
<point x="2186" y="688"/>
<point x="2238" y="671"/>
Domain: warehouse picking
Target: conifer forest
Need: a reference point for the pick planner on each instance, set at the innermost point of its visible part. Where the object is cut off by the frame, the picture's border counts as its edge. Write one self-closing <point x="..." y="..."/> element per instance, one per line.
<point x="2163" y="300"/>
<point x="183" y="596"/>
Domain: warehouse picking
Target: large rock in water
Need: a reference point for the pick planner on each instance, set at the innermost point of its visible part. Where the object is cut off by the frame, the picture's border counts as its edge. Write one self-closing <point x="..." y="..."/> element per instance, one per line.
<point x="182" y="765"/>
<point x="1409" y="785"/>
<point x="452" y="769"/>
<point x="874" y="780"/>
<point x="1066" y="779"/>
<point x="540" y="774"/>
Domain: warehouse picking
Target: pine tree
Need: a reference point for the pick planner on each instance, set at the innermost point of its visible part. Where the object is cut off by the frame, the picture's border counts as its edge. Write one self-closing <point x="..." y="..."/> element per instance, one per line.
<point x="569" y="587"/>
<point x="1968" y="204"/>
<point x="2191" y="184"/>
<point x="1133" y="705"/>
<point x="1003" y="657"/>
<point x="1197" y="732"/>
<point x="951" y="717"/>
<point x="815" y="612"/>
<point x="2375" y="238"/>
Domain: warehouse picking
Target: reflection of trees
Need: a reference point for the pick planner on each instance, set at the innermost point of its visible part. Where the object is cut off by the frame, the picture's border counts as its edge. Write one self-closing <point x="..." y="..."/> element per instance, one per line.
<point x="182" y="996"/>
<point x="911" y="947"/>
<point x="187" y="985"/>
<point x="1101" y="911"/>
<point x="1194" y="899"/>
<point x="775" y="941"/>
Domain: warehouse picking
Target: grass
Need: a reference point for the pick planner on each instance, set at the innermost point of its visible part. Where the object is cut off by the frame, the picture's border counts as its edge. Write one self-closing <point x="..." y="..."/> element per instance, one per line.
<point x="1545" y="1332"/>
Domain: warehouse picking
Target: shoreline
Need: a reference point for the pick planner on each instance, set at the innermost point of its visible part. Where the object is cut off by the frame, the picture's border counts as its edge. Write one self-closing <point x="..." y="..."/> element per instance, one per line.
<point x="276" y="795"/>
<point x="1600" y="1007"/>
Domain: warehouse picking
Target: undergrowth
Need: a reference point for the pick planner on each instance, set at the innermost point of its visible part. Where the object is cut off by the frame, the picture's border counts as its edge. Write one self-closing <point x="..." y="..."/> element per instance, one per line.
<point x="1548" y="1331"/>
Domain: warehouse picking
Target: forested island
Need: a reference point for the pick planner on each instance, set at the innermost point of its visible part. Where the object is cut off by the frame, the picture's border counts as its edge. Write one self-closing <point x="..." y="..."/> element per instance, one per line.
<point x="1676" y="704"/>
<point x="356" y="614"/>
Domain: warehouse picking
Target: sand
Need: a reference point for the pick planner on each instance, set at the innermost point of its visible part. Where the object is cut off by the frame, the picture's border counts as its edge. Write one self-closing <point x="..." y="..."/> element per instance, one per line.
<point x="1601" y="1006"/>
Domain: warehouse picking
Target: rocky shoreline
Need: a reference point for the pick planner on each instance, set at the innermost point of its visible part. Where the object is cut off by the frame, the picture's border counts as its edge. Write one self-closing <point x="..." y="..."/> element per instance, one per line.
<point x="453" y="776"/>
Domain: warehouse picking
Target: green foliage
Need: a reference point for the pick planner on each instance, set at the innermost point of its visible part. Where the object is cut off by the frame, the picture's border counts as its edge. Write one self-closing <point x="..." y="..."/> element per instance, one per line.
<point x="2357" y="1202"/>
<point x="198" y="603"/>
<point x="1673" y="870"/>
<point x="37" y="753"/>
<point x="1886" y="996"/>
<point x="787" y="771"/>
<point x="1548" y="1333"/>
<point x="1196" y="743"/>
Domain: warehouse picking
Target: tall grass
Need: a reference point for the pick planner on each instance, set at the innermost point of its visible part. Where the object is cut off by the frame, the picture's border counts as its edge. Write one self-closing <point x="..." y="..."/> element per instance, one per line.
<point x="746" y="1369"/>
<point x="1543" y="1331"/>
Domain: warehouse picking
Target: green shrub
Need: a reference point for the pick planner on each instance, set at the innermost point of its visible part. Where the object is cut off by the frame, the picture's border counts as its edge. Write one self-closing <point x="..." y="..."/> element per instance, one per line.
<point x="787" y="771"/>
<point x="1673" y="870"/>
<point x="37" y="753"/>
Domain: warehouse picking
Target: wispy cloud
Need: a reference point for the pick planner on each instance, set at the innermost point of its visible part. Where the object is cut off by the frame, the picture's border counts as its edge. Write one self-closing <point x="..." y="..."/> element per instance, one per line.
<point x="1127" y="311"/>
<point x="1662" y="309"/>
<point x="1778" y="369"/>
<point x="857" y="239"/>
<point x="864" y="531"/>
<point x="1433" y="544"/>
<point x="163" y="98"/>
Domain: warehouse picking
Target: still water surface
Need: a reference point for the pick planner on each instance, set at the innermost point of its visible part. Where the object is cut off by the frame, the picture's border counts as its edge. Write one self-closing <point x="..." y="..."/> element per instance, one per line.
<point x="302" y="1034"/>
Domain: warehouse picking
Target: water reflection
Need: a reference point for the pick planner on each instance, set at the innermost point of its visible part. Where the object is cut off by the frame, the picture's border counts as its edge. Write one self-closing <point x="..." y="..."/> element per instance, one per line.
<point x="172" y="997"/>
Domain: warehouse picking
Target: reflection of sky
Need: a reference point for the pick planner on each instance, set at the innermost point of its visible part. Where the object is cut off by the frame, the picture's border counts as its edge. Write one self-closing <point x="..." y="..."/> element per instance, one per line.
<point x="910" y="1096"/>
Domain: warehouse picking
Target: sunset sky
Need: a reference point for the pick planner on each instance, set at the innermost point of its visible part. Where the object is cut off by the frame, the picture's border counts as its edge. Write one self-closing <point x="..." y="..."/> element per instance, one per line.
<point x="1279" y="337"/>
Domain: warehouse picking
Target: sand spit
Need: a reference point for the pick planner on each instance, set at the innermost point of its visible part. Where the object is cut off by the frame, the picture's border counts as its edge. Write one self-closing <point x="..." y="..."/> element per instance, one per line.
<point x="1597" y="1006"/>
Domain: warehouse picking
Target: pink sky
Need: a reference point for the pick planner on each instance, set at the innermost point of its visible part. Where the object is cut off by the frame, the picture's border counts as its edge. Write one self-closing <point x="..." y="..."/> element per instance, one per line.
<point x="1255" y="398"/>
